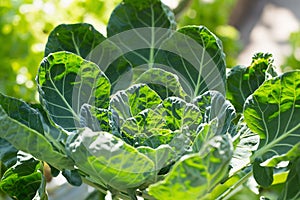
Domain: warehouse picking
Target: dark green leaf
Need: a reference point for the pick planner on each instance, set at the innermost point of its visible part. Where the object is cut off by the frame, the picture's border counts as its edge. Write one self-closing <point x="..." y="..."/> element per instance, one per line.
<point x="196" y="56"/>
<point x="82" y="39"/>
<point x="108" y="160"/>
<point x="66" y="82"/>
<point x="25" y="180"/>
<point x="72" y="176"/>
<point x="292" y="185"/>
<point x="148" y="23"/>
<point x="243" y="81"/>
<point x="23" y="136"/>
<point x="262" y="175"/>
<point x="96" y="195"/>
<point x="8" y="156"/>
<point x="109" y="57"/>
<point x="79" y="38"/>
<point x="55" y="136"/>
<point x="272" y="111"/>
<point x="21" y="112"/>
<point x="118" y="72"/>
<point x="195" y="175"/>
<point x="292" y="154"/>
<point x="34" y="119"/>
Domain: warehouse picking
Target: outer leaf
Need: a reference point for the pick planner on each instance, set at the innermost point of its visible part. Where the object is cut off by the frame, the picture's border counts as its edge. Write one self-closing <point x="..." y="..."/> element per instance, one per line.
<point x="54" y="135"/>
<point x="8" y="156"/>
<point x="108" y="160"/>
<point x="131" y="14"/>
<point x="245" y="143"/>
<point x="82" y="39"/>
<point x="148" y="23"/>
<point x="163" y="82"/>
<point x="292" y="154"/>
<point x="66" y="82"/>
<point x="21" y="112"/>
<point x="243" y="81"/>
<point x="272" y="111"/>
<point x="292" y="185"/>
<point x="79" y="38"/>
<point x="11" y="130"/>
<point x="196" y="56"/>
<point x="19" y="120"/>
<point x="213" y="105"/>
<point x="196" y="174"/>
<point x="25" y="179"/>
<point x="262" y="175"/>
<point x="73" y="177"/>
<point x="161" y="156"/>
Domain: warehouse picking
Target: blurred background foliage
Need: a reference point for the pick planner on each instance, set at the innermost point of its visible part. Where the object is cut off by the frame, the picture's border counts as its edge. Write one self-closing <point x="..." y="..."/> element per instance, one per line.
<point x="292" y="61"/>
<point x="26" y="24"/>
<point x="215" y="15"/>
<point x="24" y="28"/>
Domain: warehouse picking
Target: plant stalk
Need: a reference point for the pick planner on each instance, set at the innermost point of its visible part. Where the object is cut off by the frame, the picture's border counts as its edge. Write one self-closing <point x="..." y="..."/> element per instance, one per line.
<point x="236" y="185"/>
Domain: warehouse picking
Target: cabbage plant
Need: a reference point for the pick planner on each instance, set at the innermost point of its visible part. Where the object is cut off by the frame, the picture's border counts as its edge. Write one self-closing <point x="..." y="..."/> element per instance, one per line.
<point x="149" y="112"/>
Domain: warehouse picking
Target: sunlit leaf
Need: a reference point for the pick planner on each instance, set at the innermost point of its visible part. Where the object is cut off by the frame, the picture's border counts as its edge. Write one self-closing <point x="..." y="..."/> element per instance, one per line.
<point x="94" y="118"/>
<point x="25" y="179"/>
<point x="160" y="156"/>
<point x="79" y="38"/>
<point x="130" y="102"/>
<point x="109" y="160"/>
<point x="179" y="114"/>
<point x="163" y="82"/>
<point x="66" y="82"/>
<point x="148" y="23"/>
<point x="196" y="56"/>
<point x="245" y="143"/>
<point x="19" y="120"/>
<point x="195" y="175"/>
<point x="144" y="126"/>
<point x="272" y="111"/>
<point x="213" y="105"/>
<point x="243" y="81"/>
<point x="205" y="133"/>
